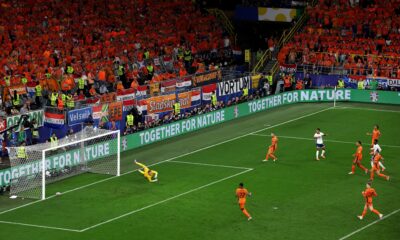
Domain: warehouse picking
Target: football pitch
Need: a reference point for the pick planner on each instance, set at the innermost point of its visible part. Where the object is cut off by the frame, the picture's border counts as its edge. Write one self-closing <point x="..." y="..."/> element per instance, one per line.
<point x="293" y="198"/>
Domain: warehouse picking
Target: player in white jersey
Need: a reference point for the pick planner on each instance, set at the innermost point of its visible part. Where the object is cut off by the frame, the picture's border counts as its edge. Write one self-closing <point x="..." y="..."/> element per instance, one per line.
<point x="376" y="148"/>
<point x="319" y="141"/>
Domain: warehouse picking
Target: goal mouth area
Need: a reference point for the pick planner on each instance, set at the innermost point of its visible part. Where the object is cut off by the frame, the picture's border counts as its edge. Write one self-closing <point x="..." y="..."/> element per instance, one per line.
<point x="90" y="151"/>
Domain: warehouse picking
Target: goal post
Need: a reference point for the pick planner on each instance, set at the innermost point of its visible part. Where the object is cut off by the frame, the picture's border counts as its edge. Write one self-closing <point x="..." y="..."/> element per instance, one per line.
<point x="90" y="151"/>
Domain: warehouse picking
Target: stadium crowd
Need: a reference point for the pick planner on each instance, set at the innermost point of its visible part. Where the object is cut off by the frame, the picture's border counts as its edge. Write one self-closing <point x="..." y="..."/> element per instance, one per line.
<point x="362" y="37"/>
<point x="75" y="51"/>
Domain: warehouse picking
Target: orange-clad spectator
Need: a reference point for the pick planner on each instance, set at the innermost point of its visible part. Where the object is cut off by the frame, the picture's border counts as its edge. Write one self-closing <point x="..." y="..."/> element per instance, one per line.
<point x="92" y="91"/>
<point x="120" y="86"/>
<point x="182" y="72"/>
<point x="102" y="75"/>
<point x="134" y="84"/>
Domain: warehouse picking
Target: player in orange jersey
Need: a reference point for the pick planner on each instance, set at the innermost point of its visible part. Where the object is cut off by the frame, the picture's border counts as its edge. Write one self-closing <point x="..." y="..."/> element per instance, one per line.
<point x="375" y="134"/>
<point x="272" y="148"/>
<point x="241" y="194"/>
<point x="368" y="194"/>
<point x="375" y="167"/>
<point x="357" y="159"/>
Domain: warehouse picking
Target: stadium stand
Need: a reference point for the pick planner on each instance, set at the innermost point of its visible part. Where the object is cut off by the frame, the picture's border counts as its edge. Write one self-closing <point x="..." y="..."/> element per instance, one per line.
<point x="361" y="37"/>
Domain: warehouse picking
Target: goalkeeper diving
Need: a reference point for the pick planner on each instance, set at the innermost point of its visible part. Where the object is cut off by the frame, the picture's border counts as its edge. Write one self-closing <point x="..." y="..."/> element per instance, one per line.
<point x="149" y="174"/>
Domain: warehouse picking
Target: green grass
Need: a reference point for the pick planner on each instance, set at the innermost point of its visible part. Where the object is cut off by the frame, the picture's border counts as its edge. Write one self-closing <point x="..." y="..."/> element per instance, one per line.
<point x="295" y="198"/>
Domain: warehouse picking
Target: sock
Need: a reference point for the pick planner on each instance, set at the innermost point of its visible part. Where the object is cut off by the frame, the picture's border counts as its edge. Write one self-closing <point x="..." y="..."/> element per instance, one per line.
<point x="364" y="212"/>
<point x="246" y="213"/>
<point x="353" y="168"/>
<point x="376" y="211"/>
<point x="266" y="157"/>
<point x="382" y="175"/>
<point x="361" y="166"/>
<point x="273" y="156"/>
<point x="317" y="154"/>
<point x="380" y="164"/>
<point x="323" y="153"/>
<point x="371" y="176"/>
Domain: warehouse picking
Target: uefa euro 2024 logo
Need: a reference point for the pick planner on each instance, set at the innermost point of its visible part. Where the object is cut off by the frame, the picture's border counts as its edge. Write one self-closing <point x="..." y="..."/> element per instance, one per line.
<point x="374" y="96"/>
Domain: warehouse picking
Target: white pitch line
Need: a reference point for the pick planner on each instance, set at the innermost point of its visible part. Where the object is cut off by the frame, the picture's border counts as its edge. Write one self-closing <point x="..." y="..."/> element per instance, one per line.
<point x="211" y="165"/>
<point x="182" y="155"/>
<point x="369" y="225"/>
<point x="163" y="201"/>
<point x="40" y="226"/>
<point x="368" y="109"/>
<point x="325" y="140"/>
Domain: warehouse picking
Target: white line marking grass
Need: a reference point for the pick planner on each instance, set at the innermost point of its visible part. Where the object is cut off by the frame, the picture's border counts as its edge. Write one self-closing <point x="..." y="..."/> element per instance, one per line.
<point x="211" y="165"/>
<point x="165" y="200"/>
<point x="143" y="208"/>
<point x="369" y="225"/>
<point x="167" y="160"/>
<point x="173" y="158"/>
<point x="312" y="139"/>
<point x="368" y="109"/>
<point x="41" y="226"/>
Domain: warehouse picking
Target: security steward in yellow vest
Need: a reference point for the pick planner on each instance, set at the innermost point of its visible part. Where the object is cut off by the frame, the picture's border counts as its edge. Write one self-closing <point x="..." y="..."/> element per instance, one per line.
<point x="21" y="152"/>
<point x="70" y="101"/>
<point x="340" y="83"/>
<point x="53" y="140"/>
<point x="53" y="99"/>
<point x="177" y="108"/>
<point x="360" y="85"/>
<point x="130" y="120"/>
<point x="16" y="99"/>
<point x="214" y="99"/>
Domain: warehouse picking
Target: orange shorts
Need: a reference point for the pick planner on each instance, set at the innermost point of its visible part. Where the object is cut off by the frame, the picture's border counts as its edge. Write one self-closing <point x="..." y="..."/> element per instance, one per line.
<point x="271" y="150"/>
<point x="376" y="167"/>
<point x="372" y="141"/>
<point x="357" y="159"/>
<point x="242" y="203"/>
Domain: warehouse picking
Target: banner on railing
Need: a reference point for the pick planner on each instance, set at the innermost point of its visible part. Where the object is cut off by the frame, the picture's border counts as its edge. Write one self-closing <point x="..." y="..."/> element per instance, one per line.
<point x="100" y="113"/>
<point x="54" y="117"/>
<point x="206" y="78"/>
<point x="185" y="99"/>
<point x="288" y="68"/>
<point x="115" y="110"/>
<point x="38" y="115"/>
<point x="207" y="91"/>
<point x="186" y="82"/>
<point x="233" y="86"/>
<point x="21" y="90"/>
<point x="79" y="115"/>
<point x="108" y="97"/>
<point x="126" y="94"/>
<point x="141" y="91"/>
<point x="168" y="86"/>
<point x="160" y="104"/>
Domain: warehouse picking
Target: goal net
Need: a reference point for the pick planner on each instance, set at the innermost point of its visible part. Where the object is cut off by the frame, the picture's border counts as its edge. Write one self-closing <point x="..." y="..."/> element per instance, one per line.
<point x="90" y="150"/>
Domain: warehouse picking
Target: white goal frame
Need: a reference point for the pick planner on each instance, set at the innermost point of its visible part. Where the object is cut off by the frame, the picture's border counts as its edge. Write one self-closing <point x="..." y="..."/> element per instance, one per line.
<point x="77" y="142"/>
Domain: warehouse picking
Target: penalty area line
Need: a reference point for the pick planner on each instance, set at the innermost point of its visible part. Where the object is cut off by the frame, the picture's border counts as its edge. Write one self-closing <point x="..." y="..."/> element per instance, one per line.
<point x="325" y="140"/>
<point x="165" y="200"/>
<point x="40" y="226"/>
<point x="211" y="165"/>
<point x="369" y="225"/>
